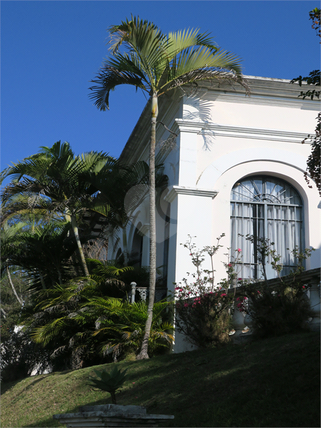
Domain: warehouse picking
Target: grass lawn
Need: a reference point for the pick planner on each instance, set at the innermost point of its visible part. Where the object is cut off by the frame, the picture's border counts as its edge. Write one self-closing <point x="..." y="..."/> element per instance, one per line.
<point x="269" y="383"/>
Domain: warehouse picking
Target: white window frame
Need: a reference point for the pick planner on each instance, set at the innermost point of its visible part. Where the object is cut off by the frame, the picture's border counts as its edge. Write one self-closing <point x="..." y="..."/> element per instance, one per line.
<point x="270" y="208"/>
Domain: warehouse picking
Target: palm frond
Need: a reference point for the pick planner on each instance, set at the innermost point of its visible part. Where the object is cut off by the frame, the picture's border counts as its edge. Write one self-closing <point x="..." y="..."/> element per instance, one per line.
<point x="190" y="38"/>
<point x="201" y="65"/>
<point x="107" y="79"/>
<point x="134" y="33"/>
<point x="47" y="332"/>
<point x="157" y="63"/>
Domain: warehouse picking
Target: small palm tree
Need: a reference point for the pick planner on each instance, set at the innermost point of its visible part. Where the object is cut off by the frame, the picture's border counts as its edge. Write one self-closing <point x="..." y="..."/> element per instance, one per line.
<point x="158" y="63"/>
<point x="63" y="321"/>
<point x="109" y="381"/>
<point x="120" y="325"/>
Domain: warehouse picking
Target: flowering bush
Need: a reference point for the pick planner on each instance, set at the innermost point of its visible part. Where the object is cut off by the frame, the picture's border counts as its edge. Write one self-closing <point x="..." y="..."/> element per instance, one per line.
<point x="242" y="303"/>
<point x="206" y="319"/>
<point x="203" y="309"/>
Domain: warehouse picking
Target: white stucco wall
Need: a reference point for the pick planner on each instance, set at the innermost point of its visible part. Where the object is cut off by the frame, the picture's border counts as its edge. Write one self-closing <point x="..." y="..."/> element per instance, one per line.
<point x="223" y="136"/>
<point x="240" y="136"/>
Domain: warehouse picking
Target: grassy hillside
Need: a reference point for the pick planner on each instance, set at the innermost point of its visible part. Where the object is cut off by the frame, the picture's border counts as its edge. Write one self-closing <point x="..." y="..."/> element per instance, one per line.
<point x="274" y="382"/>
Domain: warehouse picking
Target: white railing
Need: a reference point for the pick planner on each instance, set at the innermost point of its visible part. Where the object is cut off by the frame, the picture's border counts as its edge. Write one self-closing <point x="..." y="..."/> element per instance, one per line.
<point x="160" y="293"/>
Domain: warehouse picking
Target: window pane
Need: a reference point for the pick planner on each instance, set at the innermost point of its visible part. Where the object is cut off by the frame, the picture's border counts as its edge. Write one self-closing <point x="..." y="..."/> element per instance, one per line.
<point x="266" y="208"/>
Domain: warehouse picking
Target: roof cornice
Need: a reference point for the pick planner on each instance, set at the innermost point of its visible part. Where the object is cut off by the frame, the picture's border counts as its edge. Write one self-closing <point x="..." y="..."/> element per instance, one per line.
<point x="204" y="128"/>
<point x="262" y="90"/>
<point x="263" y="86"/>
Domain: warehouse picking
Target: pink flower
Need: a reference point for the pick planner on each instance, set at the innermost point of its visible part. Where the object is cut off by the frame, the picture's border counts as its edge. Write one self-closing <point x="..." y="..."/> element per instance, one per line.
<point x="303" y="286"/>
<point x="185" y="305"/>
<point x="223" y="295"/>
<point x="239" y="250"/>
<point x="229" y="265"/>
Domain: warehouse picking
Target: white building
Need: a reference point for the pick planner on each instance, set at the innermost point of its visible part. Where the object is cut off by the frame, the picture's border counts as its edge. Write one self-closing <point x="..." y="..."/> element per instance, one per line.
<point x="236" y="167"/>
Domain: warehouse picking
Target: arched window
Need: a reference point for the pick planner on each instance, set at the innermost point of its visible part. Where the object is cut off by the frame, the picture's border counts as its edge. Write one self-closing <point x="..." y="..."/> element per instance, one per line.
<point x="137" y="248"/>
<point x="265" y="207"/>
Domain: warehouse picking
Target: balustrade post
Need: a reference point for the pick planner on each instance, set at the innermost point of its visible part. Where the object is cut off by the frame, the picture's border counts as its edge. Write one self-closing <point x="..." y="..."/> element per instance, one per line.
<point x="133" y="285"/>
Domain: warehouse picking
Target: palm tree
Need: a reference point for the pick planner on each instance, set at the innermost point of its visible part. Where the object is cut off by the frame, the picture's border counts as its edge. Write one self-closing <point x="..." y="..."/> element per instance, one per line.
<point x="157" y="64"/>
<point x="44" y="253"/>
<point x="55" y="181"/>
<point x="55" y="185"/>
<point x="9" y="236"/>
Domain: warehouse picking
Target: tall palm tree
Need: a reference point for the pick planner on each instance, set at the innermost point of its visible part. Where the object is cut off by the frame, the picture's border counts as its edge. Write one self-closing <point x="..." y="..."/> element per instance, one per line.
<point x="158" y="63"/>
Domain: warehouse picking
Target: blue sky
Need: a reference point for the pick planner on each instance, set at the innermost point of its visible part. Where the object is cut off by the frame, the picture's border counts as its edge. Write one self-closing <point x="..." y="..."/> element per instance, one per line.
<point x="50" y="50"/>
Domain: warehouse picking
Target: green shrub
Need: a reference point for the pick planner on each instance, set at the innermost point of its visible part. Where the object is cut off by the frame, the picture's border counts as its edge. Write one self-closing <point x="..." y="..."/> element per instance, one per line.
<point x="281" y="310"/>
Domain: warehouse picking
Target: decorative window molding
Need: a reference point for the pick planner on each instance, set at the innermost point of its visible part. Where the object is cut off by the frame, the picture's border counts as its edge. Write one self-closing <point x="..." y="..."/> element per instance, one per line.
<point x="191" y="191"/>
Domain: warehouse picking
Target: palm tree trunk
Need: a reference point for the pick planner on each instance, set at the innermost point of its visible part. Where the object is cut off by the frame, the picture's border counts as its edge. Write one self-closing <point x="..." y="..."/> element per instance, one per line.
<point x="152" y="230"/>
<point x="75" y="230"/>
<point x="43" y="281"/>
<point x="13" y="287"/>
